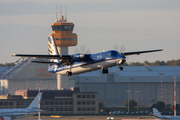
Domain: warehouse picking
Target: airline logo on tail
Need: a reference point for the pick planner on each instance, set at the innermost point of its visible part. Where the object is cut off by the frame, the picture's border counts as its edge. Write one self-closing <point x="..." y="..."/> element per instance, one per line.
<point x="52" y="50"/>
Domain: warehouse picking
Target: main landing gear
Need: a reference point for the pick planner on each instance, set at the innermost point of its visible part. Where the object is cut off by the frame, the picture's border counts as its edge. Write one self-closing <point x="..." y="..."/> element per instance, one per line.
<point x="105" y="71"/>
<point x="120" y="68"/>
<point x="68" y="73"/>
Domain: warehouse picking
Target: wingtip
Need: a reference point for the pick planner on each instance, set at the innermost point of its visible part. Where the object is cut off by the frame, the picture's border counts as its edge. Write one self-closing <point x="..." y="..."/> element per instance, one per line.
<point x="14" y="54"/>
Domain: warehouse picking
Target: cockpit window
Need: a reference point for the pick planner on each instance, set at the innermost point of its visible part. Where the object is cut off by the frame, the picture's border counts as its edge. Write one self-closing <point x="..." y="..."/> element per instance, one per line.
<point x="114" y="53"/>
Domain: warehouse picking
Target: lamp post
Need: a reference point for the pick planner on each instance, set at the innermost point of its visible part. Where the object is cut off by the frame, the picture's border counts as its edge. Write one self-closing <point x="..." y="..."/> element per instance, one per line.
<point x="137" y="99"/>
<point x="128" y="98"/>
<point x="161" y="74"/>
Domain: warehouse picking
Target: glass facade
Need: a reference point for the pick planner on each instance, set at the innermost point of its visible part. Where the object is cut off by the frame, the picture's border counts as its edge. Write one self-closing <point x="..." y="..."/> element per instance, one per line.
<point x="62" y="27"/>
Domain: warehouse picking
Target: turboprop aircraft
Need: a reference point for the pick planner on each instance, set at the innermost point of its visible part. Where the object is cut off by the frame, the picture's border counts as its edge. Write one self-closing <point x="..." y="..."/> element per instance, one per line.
<point x="158" y="115"/>
<point x="81" y="63"/>
<point x="11" y="114"/>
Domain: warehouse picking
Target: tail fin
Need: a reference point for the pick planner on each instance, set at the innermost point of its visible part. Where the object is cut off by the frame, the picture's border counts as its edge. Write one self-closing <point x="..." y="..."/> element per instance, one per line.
<point x="34" y="104"/>
<point x="52" y="49"/>
<point x="156" y="112"/>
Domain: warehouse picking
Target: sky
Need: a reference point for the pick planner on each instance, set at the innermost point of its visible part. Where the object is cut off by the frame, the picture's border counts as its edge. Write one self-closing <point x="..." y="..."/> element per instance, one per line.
<point x="99" y="24"/>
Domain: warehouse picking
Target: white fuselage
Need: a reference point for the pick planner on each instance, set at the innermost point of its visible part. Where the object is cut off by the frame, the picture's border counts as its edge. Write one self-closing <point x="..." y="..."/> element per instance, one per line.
<point x="18" y="112"/>
<point x="83" y="67"/>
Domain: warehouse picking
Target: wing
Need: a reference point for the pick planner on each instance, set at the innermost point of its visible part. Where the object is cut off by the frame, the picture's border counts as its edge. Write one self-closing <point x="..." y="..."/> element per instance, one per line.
<point x="139" y="52"/>
<point x="64" y="57"/>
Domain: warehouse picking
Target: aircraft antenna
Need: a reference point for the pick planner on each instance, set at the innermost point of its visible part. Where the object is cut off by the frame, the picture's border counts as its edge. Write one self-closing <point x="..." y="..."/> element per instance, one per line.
<point x="60" y="11"/>
<point x="56" y="11"/>
<point x="56" y="14"/>
<point x="65" y="13"/>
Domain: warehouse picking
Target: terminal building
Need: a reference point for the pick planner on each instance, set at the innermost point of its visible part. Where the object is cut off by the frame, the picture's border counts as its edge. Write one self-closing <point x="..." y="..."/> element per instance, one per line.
<point x="111" y="88"/>
<point x="54" y="101"/>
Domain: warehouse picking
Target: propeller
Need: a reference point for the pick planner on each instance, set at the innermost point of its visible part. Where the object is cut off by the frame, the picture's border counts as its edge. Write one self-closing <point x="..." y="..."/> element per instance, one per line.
<point x="82" y="51"/>
<point x="119" y="49"/>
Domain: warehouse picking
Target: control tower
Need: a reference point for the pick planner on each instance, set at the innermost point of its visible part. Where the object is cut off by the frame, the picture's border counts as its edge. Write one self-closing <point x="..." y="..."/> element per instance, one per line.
<point x="63" y="38"/>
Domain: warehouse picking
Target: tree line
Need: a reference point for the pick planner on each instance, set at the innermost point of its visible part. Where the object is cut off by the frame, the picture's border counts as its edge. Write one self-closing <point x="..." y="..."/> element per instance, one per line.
<point x="156" y="63"/>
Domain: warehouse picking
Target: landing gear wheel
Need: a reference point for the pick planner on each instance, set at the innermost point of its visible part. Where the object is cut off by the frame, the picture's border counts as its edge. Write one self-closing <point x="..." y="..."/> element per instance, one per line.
<point x="105" y="71"/>
<point x="120" y="68"/>
<point x="68" y="73"/>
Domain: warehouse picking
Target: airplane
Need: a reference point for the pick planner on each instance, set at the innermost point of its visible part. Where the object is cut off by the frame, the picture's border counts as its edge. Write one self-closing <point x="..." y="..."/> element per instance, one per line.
<point x="81" y="63"/>
<point x="11" y="114"/>
<point x="158" y="115"/>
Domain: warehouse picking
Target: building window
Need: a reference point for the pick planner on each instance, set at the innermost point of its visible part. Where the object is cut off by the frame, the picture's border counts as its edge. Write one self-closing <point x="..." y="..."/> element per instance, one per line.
<point x="27" y="103"/>
<point x="78" y="102"/>
<point x="78" y="96"/>
<point x="83" y="96"/>
<point x="93" y="109"/>
<point x="56" y="102"/>
<point x="92" y="102"/>
<point x="1" y="103"/>
<point x="10" y="103"/>
<point x="61" y="103"/>
<point x="66" y="102"/>
<point x="5" y="103"/>
<point x="70" y="102"/>
<point x="51" y="103"/>
<point x="92" y="96"/>
<point x="83" y="102"/>
<point x="88" y="109"/>
<point x="88" y="96"/>
<point x="17" y="103"/>
<point x="56" y="109"/>
<point x="46" y="109"/>
<point x="61" y="109"/>
<point x="51" y="109"/>
<point x="78" y="109"/>
<point x="66" y="109"/>
<point x="42" y="103"/>
<point x="70" y="109"/>
<point x="83" y="109"/>
<point x="88" y="102"/>
<point x="46" y="103"/>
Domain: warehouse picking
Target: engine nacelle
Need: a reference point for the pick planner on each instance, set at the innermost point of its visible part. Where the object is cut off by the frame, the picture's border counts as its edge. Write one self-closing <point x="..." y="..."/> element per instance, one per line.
<point x="5" y="118"/>
<point x="81" y="55"/>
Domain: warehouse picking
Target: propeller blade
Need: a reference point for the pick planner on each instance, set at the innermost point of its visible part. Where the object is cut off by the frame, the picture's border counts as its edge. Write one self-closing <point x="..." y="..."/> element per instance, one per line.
<point x="76" y="50"/>
<point x="122" y="49"/>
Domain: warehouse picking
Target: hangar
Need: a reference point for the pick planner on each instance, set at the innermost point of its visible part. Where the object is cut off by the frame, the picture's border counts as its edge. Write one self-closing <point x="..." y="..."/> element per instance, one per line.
<point x="111" y="88"/>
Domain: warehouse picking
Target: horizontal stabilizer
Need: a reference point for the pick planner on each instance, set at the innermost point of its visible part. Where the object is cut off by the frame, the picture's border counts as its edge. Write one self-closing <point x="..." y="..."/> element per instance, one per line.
<point x="139" y="52"/>
<point x="64" y="57"/>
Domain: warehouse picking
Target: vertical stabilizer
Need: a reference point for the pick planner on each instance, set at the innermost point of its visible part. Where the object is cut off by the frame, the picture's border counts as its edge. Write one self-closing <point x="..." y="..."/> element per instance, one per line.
<point x="34" y="104"/>
<point x="156" y="112"/>
<point x="52" y="49"/>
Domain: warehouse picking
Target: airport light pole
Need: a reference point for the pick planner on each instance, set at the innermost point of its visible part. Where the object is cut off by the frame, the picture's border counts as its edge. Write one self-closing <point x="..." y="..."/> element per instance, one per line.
<point x="161" y="84"/>
<point x="174" y="96"/>
<point x="137" y="98"/>
<point x="39" y="112"/>
<point x="128" y="98"/>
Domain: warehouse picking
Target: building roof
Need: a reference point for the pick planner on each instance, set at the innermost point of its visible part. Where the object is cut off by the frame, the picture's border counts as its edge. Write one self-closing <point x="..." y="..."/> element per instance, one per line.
<point x="139" y="71"/>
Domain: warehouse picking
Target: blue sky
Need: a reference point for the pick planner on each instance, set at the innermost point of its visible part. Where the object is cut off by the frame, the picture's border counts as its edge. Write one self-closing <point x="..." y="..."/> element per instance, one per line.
<point x="99" y="24"/>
